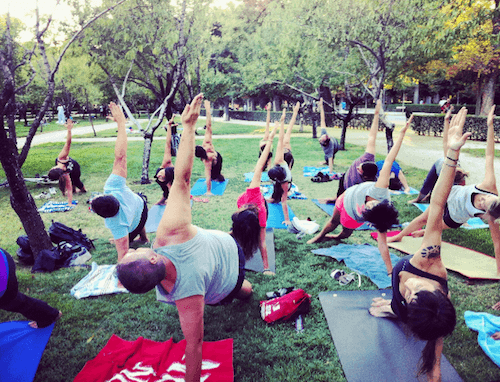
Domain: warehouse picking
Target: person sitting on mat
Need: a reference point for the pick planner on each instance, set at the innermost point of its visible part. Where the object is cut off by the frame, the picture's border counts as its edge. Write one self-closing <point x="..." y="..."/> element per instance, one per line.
<point x="420" y="295"/>
<point x="66" y="169"/>
<point x="398" y="179"/>
<point x="210" y="158"/>
<point x="124" y="212"/>
<point x="280" y="173"/>
<point x="330" y="145"/>
<point x="165" y="174"/>
<point x="253" y="197"/>
<point x="364" y="168"/>
<point x="431" y="179"/>
<point x="367" y="202"/>
<point x="265" y="138"/>
<point x="466" y="202"/>
<point x="192" y="267"/>
<point x="12" y="300"/>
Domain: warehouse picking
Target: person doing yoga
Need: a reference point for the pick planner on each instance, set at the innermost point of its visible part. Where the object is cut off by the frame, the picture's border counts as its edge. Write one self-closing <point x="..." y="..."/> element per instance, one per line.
<point x="367" y="202"/>
<point x="420" y="292"/>
<point x="67" y="170"/>
<point x="165" y="174"/>
<point x="210" y="158"/>
<point x="124" y="212"/>
<point x="190" y="266"/>
<point x="466" y="202"/>
<point x="330" y="145"/>
<point x="253" y="197"/>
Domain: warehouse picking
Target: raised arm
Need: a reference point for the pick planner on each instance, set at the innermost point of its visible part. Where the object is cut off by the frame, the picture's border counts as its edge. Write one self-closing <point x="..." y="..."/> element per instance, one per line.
<point x="208" y="133"/>
<point x="167" y="155"/>
<point x="322" y="114"/>
<point x="268" y="123"/>
<point x="489" y="181"/>
<point x="446" y="129"/>
<point x="120" y="163"/>
<point x="385" y="173"/>
<point x="175" y="225"/>
<point x="288" y="134"/>
<point x="259" y="167"/>
<point x="280" y="149"/>
<point x="372" y="135"/>
<point x="64" y="154"/>
<point x="432" y="236"/>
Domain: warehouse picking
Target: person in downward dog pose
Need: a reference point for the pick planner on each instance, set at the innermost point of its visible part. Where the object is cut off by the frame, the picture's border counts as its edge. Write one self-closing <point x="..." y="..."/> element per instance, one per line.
<point x="253" y="197"/>
<point x="367" y="201"/>
<point x="66" y="169"/>
<point x="465" y="202"/>
<point x="210" y="158"/>
<point x="165" y="174"/>
<point x="421" y="297"/>
<point x="190" y="266"/>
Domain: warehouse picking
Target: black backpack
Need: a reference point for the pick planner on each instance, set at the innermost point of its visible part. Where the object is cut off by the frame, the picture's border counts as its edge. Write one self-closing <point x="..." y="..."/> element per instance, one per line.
<point x="59" y="232"/>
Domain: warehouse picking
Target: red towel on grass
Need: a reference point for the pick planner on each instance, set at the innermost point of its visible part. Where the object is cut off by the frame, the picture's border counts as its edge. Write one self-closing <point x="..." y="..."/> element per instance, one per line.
<point x="147" y="360"/>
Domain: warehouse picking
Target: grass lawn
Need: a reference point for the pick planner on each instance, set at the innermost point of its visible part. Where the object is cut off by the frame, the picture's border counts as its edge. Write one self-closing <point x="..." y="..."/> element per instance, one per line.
<point x="261" y="352"/>
<point x="22" y="131"/>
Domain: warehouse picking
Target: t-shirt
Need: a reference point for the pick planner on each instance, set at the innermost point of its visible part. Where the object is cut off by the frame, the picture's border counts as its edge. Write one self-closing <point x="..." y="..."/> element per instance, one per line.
<point x="206" y="265"/>
<point x="395" y="167"/>
<point x="330" y="148"/>
<point x="254" y="196"/>
<point x="288" y="176"/>
<point x="352" y="176"/>
<point x="355" y="198"/>
<point x="460" y="203"/>
<point x="131" y="205"/>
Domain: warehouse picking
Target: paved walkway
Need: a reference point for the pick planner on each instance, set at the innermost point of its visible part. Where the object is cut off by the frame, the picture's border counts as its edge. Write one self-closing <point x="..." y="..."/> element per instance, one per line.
<point x="417" y="151"/>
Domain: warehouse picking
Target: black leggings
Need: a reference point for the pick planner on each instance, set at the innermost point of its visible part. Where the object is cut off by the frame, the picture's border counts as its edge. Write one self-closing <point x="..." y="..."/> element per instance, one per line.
<point x="31" y="308"/>
<point x="142" y="223"/>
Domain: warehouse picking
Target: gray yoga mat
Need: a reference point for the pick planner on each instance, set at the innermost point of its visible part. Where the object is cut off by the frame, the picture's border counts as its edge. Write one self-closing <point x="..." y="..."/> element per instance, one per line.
<point x="371" y="348"/>
<point x="255" y="263"/>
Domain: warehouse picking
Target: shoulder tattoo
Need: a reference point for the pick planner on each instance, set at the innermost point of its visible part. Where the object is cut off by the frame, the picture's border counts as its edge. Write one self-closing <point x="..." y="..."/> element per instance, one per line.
<point x="432" y="251"/>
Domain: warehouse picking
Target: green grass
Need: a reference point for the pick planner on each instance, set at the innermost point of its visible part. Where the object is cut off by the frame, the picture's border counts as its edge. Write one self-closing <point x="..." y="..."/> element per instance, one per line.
<point x="22" y="131"/>
<point x="262" y="352"/>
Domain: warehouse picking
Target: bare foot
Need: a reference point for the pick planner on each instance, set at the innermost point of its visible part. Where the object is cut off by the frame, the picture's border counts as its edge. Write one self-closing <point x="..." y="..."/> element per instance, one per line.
<point x="393" y="239"/>
<point x="34" y="324"/>
<point x="315" y="239"/>
<point x="111" y="241"/>
<point x="496" y="306"/>
<point x="269" y="273"/>
<point x="413" y="201"/>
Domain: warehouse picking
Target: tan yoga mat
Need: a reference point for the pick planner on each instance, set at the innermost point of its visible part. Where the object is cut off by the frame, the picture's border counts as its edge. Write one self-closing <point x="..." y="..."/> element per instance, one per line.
<point x="472" y="264"/>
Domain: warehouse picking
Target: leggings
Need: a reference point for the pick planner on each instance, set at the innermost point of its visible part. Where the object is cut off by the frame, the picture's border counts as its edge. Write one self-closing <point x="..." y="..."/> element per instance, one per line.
<point x="14" y="301"/>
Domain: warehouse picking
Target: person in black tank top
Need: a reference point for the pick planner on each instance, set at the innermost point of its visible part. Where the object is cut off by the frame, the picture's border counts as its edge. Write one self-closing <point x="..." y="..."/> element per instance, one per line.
<point x="420" y="291"/>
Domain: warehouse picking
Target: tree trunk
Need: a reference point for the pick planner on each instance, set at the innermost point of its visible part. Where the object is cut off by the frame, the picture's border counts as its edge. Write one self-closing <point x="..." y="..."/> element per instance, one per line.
<point x="148" y="142"/>
<point x="343" y="134"/>
<point x="416" y="94"/>
<point x="488" y="93"/>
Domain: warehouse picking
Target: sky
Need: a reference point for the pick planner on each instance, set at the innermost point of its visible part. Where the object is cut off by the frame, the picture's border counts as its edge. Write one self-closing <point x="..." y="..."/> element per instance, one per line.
<point x="25" y="11"/>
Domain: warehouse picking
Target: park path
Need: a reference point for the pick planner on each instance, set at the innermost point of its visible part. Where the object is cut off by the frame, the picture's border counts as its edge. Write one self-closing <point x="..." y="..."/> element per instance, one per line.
<point x="417" y="151"/>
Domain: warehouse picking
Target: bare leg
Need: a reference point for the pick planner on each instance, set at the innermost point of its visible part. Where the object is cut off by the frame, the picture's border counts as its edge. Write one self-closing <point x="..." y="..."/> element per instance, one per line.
<point x="415" y="225"/>
<point x="344" y="234"/>
<point x="329" y="227"/>
<point x="245" y="291"/>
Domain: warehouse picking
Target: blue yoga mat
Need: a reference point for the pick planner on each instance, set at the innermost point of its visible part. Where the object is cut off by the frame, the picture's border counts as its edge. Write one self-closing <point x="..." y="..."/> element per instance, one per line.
<point x="485" y="324"/>
<point x="264" y="177"/>
<point x="362" y="258"/>
<point x="313" y="171"/>
<point x="275" y="216"/>
<point x="21" y="348"/>
<point x="472" y="223"/>
<point x="154" y="216"/>
<point x="200" y="187"/>
<point x="411" y="192"/>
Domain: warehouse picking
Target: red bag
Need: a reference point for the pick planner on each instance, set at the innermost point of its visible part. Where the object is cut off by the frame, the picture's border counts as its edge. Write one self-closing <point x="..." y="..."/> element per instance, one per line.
<point x="286" y="307"/>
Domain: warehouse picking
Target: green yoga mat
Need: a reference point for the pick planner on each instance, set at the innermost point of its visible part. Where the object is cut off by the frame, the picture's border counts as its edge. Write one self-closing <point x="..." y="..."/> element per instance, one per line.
<point x="371" y="348"/>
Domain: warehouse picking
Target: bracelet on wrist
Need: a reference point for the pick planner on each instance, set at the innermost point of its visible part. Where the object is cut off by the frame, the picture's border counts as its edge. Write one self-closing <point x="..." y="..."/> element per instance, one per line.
<point x="454" y="160"/>
<point x="451" y="165"/>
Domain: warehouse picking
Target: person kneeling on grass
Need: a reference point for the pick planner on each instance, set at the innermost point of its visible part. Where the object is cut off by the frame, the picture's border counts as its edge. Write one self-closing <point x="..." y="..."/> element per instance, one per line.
<point x="421" y="297"/>
<point x="366" y="202"/>
<point x="188" y="265"/>
<point x="124" y="211"/>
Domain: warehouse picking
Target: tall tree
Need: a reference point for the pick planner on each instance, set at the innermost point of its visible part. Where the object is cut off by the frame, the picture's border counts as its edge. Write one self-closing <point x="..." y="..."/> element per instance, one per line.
<point x="21" y="200"/>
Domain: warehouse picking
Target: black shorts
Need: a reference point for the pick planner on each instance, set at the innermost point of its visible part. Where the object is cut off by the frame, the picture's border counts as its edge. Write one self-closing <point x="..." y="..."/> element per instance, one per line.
<point x="144" y="216"/>
<point x="241" y="277"/>
<point x="448" y="220"/>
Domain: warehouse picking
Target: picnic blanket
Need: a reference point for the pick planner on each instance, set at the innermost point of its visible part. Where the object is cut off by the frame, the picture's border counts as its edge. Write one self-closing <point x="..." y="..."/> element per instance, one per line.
<point x="472" y="223"/>
<point x="21" y="348"/>
<point x="362" y="258"/>
<point x="275" y="216"/>
<point x="310" y="171"/>
<point x="470" y="263"/>
<point x="263" y="178"/>
<point x="293" y="192"/>
<point x="101" y="280"/>
<point x="255" y="263"/>
<point x="200" y="187"/>
<point x="147" y="360"/>
<point x="52" y="206"/>
<point x="485" y="324"/>
<point x="372" y="348"/>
